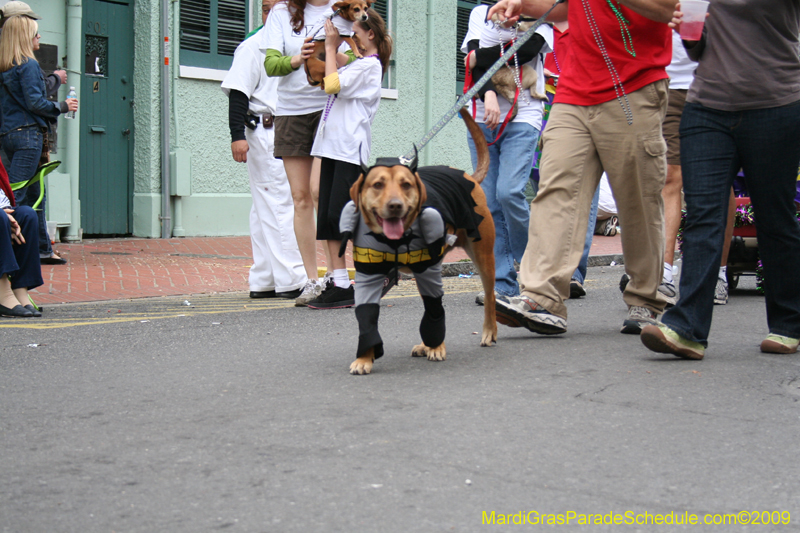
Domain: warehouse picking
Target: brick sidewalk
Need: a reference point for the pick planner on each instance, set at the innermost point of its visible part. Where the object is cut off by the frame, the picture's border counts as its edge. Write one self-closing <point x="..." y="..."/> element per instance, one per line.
<point x="114" y="269"/>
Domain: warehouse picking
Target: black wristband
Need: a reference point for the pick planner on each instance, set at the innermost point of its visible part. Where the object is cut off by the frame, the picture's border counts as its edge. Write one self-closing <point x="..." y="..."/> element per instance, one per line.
<point x="238" y="104"/>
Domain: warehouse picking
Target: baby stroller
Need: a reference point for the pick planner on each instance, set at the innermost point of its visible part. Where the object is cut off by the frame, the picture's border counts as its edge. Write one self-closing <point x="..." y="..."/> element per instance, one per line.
<point x="743" y="256"/>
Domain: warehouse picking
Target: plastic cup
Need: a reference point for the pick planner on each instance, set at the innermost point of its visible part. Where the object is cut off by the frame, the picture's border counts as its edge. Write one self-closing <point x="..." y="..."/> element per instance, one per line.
<point x="52" y="231"/>
<point x="694" y="17"/>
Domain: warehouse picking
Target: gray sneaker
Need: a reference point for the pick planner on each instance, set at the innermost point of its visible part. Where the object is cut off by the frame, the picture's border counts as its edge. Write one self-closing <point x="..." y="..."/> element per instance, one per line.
<point x="669" y="293"/>
<point x="521" y="311"/>
<point x="480" y="297"/>
<point x="721" y="292"/>
<point x="311" y="290"/>
<point x="638" y="317"/>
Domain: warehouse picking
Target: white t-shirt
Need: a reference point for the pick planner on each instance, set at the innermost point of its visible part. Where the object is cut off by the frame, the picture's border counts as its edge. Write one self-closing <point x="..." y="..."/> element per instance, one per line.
<point x="4" y="201"/>
<point x="681" y="69"/>
<point x="348" y="126"/>
<point x="295" y="95"/>
<point x="248" y="76"/>
<point x="532" y="111"/>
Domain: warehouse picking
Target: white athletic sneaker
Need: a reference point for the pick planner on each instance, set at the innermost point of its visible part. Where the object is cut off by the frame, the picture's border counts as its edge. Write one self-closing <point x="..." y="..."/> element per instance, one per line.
<point x="668" y="292"/>
<point x="311" y="290"/>
<point x="721" y="292"/>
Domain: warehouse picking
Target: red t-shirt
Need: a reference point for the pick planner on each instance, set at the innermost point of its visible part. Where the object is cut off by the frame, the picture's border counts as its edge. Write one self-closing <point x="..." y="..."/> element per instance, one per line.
<point x="555" y="61"/>
<point x="586" y="80"/>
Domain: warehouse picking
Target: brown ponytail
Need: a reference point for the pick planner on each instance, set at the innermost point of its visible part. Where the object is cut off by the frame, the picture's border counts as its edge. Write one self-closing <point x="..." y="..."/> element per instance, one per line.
<point x="297" y="10"/>
<point x="383" y="41"/>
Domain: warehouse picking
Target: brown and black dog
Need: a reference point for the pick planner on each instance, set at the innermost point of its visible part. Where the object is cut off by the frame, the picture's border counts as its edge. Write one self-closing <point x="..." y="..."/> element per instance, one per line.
<point x="350" y="10"/>
<point x="390" y="198"/>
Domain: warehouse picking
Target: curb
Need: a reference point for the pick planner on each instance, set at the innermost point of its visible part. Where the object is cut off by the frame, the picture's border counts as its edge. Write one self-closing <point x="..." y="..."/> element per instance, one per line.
<point x="466" y="267"/>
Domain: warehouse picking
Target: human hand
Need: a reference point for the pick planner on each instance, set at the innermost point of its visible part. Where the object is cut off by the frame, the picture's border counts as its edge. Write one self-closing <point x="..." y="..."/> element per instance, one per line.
<point x="677" y="18"/>
<point x="332" y="39"/>
<point x="469" y="61"/>
<point x="62" y="74"/>
<point x="305" y="52"/>
<point x="491" y="110"/>
<point x="239" y="150"/>
<point x="16" y="231"/>
<point x="72" y="104"/>
<point x="507" y="10"/>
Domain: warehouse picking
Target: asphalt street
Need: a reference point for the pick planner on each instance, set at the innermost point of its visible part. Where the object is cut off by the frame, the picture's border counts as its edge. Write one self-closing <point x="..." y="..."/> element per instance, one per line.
<point x="240" y="415"/>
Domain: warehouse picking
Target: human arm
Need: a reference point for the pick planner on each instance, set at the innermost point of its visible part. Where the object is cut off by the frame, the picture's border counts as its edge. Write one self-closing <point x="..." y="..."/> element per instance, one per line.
<point x="33" y="91"/>
<point x="53" y="81"/>
<point x="237" y="111"/>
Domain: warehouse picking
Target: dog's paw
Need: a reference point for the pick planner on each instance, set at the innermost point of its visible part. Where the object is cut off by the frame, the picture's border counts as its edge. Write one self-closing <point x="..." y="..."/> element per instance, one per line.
<point x="420" y="350"/>
<point x="361" y="366"/>
<point x="433" y="354"/>
<point x="489" y="337"/>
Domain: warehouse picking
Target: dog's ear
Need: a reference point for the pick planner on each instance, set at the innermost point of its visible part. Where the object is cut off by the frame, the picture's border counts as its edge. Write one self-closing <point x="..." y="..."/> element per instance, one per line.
<point x="355" y="190"/>
<point x="423" y="197"/>
<point x="423" y="192"/>
<point x="341" y="5"/>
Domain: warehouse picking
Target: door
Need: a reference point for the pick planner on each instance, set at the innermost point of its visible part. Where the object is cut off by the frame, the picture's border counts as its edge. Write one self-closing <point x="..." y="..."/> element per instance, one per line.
<point x="106" y="118"/>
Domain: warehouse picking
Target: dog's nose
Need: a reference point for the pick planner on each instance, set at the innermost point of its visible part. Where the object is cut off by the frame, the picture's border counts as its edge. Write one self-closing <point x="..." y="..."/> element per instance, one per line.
<point x="394" y="207"/>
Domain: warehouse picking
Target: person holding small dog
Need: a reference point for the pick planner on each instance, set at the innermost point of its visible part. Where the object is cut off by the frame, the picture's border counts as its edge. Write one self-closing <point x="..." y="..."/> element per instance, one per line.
<point x="606" y="116"/>
<point x="512" y="141"/>
<point x="287" y="42"/>
<point x="344" y="139"/>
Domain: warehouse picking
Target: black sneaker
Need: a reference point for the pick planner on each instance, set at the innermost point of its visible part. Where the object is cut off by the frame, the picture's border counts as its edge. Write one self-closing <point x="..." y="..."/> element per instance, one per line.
<point x="334" y="297"/>
<point x="576" y="289"/>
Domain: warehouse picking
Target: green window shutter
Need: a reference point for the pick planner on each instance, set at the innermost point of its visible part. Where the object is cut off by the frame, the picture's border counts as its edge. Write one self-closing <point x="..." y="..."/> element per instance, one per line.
<point x="210" y="31"/>
<point x="463" y="8"/>
<point x="383" y="8"/>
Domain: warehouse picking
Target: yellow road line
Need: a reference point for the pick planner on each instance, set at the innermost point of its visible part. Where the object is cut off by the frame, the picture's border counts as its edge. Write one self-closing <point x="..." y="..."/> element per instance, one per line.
<point x="197" y="310"/>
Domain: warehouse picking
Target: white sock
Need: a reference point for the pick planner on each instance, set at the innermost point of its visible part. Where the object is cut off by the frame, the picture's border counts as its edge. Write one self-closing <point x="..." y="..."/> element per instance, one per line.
<point x="667" y="273"/>
<point x="340" y="278"/>
<point x="723" y="273"/>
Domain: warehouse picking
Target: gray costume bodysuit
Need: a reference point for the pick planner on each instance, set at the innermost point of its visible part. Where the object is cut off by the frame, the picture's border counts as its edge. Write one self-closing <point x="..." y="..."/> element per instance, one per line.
<point x="421" y="249"/>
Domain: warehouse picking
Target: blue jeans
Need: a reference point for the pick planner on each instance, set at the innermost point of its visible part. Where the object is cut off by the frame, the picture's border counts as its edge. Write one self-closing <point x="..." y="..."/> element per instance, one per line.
<point x="24" y="149"/>
<point x="714" y="146"/>
<point x="580" y="272"/>
<point x="504" y="185"/>
<point x="20" y="261"/>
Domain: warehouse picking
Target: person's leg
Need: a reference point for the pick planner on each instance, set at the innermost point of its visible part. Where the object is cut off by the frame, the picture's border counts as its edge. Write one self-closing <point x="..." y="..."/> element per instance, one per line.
<point x="29" y="275"/>
<point x="298" y="172"/>
<point x="8" y="262"/>
<point x="580" y="273"/>
<point x="336" y="179"/>
<point x="570" y="173"/>
<point x="277" y="261"/>
<point x="709" y="162"/>
<point x="516" y="153"/>
<point x="768" y="143"/>
<point x="721" y="290"/>
<point x="24" y="149"/>
<point x="634" y="160"/>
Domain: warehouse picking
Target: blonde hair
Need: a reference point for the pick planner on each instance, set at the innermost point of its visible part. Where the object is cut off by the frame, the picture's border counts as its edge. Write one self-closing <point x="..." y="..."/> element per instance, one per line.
<point x="16" y="41"/>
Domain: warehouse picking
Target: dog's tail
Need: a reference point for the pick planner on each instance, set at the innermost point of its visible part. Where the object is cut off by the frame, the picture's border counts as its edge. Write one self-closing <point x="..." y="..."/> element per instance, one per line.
<point x="480" y="146"/>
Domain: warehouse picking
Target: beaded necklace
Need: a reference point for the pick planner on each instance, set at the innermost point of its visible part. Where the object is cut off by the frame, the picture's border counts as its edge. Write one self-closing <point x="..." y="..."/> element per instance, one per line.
<point x="619" y="90"/>
<point x="624" y="24"/>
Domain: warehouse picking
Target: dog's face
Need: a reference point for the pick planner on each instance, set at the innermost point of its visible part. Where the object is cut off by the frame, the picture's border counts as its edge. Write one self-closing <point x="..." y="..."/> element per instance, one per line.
<point x="353" y="10"/>
<point x="389" y="199"/>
